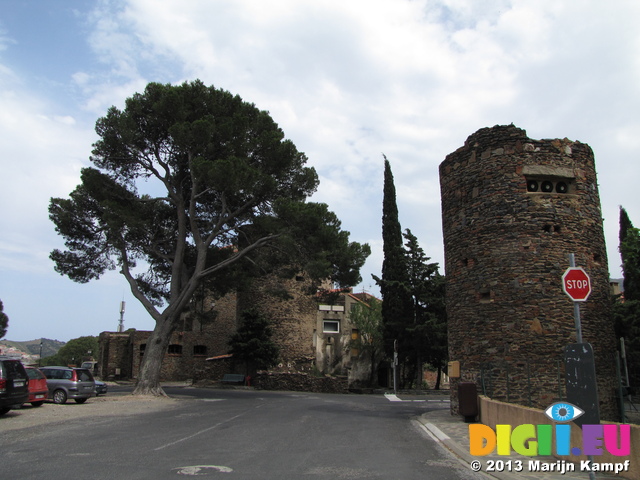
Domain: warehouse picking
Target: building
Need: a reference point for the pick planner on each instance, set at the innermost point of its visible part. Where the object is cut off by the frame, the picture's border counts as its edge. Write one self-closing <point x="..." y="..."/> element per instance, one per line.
<point x="333" y="335"/>
<point x="513" y="208"/>
<point x="312" y="340"/>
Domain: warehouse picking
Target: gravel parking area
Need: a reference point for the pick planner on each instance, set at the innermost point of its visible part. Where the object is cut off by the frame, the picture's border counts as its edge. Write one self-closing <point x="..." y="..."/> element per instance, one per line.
<point x="49" y="413"/>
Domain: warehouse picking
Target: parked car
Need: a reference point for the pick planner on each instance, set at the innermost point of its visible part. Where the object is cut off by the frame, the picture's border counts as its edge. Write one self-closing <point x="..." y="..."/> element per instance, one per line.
<point x="101" y="388"/>
<point x="38" y="391"/>
<point x="69" y="382"/>
<point x="14" y="388"/>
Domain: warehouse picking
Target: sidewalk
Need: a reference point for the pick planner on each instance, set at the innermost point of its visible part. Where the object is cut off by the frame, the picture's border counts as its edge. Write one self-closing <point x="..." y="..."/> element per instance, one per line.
<point x="453" y="433"/>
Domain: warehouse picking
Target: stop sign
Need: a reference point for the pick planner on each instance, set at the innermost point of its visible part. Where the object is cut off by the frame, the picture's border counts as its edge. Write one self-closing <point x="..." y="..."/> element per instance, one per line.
<point x="576" y="283"/>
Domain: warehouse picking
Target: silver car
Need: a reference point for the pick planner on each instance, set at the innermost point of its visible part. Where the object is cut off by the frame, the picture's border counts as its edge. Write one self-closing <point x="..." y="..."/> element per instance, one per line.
<point x="69" y="382"/>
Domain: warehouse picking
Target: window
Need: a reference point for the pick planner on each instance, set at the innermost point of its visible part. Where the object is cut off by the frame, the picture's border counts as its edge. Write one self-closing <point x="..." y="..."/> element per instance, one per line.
<point x="143" y="346"/>
<point x="549" y="185"/>
<point x="199" y="350"/>
<point x="331" y="326"/>
<point x="175" y="349"/>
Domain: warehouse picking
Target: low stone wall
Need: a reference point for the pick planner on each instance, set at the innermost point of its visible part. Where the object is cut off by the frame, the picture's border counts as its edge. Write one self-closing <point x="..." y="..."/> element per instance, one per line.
<point x="300" y="382"/>
<point x="493" y="412"/>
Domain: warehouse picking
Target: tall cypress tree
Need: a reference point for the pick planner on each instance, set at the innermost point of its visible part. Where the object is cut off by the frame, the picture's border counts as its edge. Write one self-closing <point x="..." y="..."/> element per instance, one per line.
<point x="630" y="256"/>
<point x="627" y="312"/>
<point x="394" y="288"/>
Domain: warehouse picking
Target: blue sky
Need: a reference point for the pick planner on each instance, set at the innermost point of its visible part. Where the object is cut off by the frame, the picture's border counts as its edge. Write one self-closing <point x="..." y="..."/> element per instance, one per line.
<point x="346" y="81"/>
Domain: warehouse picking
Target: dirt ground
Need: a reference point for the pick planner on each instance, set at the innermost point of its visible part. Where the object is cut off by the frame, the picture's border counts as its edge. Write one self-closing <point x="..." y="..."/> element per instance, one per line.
<point x="121" y="405"/>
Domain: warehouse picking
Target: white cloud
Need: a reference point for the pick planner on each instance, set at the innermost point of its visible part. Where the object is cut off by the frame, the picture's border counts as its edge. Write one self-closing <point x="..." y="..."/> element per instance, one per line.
<point x="347" y="81"/>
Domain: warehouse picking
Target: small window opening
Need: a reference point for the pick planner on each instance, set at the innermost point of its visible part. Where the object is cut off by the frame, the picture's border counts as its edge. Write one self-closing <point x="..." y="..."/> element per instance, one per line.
<point x="175" y="349"/>
<point x="331" y="326"/>
<point x="485" y="295"/>
<point x="199" y="350"/>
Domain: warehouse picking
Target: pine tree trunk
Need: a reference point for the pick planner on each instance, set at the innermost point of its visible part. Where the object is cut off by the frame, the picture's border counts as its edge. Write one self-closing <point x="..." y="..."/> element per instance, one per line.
<point x="149" y="375"/>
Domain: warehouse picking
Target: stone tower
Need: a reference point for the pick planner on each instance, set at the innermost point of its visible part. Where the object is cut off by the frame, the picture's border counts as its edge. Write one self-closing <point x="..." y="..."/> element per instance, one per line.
<point x="513" y="208"/>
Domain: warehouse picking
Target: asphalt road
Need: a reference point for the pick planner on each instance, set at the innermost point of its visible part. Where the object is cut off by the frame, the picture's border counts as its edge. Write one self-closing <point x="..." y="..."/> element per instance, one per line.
<point x="238" y="434"/>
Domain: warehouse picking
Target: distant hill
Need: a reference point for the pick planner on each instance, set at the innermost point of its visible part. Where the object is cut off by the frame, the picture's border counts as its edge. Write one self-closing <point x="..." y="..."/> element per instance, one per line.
<point x="32" y="347"/>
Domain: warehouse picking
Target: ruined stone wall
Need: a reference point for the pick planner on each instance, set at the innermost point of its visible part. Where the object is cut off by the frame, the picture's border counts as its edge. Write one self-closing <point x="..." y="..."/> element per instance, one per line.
<point x="507" y="235"/>
<point x="114" y="357"/>
<point x="291" y="307"/>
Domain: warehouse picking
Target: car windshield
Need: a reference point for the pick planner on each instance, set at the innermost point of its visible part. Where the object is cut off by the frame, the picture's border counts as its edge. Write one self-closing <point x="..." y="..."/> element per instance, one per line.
<point x="14" y="369"/>
<point x="34" y="374"/>
<point x="84" y="376"/>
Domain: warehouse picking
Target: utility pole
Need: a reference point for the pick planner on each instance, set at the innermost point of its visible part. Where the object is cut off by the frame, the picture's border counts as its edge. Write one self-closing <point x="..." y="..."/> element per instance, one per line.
<point x="121" y="323"/>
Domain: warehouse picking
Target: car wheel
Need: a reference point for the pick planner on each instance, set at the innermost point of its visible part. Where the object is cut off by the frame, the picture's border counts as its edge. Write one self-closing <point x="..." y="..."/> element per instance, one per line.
<point x="59" y="397"/>
<point x="80" y="400"/>
<point x="36" y="404"/>
<point x="4" y="410"/>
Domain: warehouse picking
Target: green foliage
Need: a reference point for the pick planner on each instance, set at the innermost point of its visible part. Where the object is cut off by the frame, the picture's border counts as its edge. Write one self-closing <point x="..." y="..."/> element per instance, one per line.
<point x="427" y="332"/>
<point x="627" y="309"/>
<point x="221" y="184"/>
<point x="252" y="343"/>
<point x="630" y="254"/>
<point x="413" y="309"/>
<point x="394" y="287"/>
<point x="367" y="319"/>
<point x="74" y="352"/>
<point x="4" y="321"/>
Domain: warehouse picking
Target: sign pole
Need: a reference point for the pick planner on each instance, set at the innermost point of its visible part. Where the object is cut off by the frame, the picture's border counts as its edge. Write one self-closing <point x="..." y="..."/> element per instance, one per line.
<point x="576" y="306"/>
<point x="576" y="317"/>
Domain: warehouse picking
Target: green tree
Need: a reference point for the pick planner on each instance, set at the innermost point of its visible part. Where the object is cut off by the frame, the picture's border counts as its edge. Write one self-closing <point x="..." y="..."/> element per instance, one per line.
<point x="630" y="254"/>
<point x="220" y="183"/>
<point x="252" y="343"/>
<point x="367" y="319"/>
<point x="74" y="352"/>
<point x="627" y="308"/>
<point x="427" y="330"/>
<point x="4" y="321"/>
<point x="394" y="288"/>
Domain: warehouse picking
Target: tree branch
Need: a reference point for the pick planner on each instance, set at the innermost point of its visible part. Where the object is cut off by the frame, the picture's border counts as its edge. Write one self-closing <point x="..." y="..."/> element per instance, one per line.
<point x="238" y="255"/>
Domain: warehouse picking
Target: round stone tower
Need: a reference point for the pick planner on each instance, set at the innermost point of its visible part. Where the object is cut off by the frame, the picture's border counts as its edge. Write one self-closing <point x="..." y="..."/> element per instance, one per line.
<point x="513" y="208"/>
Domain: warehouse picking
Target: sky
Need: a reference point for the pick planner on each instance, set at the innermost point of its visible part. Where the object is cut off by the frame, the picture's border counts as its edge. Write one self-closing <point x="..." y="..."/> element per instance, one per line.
<point x="347" y="81"/>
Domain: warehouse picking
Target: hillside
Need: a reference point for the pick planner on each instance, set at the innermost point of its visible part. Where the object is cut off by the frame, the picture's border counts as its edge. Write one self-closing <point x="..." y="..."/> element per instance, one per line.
<point x="32" y="347"/>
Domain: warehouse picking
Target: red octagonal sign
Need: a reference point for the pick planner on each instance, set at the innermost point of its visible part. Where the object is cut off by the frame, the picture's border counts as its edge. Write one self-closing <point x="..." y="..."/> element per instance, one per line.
<point x="576" y="283"/>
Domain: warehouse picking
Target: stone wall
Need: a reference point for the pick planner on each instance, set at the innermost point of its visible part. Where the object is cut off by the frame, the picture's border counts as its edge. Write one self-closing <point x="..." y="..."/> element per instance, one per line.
<point x="291" y="307"/>
<point x="300" y="382"/>
<point x="506" y="244"/>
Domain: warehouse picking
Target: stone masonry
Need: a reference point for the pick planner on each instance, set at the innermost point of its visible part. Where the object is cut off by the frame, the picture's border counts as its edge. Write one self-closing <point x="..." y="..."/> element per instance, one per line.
<point x="513" y="208"/>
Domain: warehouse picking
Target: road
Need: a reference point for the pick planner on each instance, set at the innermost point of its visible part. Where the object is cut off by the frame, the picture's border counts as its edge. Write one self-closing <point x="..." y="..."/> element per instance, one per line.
<point x="238" y="434"/>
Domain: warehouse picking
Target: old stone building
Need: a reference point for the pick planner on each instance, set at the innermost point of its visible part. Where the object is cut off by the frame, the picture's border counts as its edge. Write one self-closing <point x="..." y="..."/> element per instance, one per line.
<point x="198" y="350"/>
<point x="513" y="208"/>
<point x="204" y="333"/>
<point x="332" y="339"/>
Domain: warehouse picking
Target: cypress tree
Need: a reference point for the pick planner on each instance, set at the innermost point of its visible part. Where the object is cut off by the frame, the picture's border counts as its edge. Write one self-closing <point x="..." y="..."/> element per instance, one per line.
<point x="396" y="300"/>
<point x="629" y="245"/>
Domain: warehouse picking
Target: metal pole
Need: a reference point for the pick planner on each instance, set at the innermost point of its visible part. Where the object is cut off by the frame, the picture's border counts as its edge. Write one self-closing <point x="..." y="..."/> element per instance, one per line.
<point x="576" y="316"/>
<point x="576" y="306"/>
<point x="395" y="367"/>
<point x="624" y="362"/>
